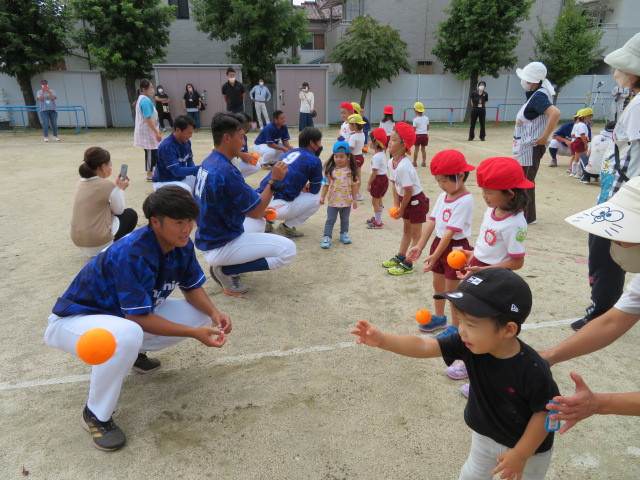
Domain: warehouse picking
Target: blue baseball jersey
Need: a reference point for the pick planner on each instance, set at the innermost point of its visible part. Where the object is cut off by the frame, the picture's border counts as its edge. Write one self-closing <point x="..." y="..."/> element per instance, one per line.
<point x="245" y="147"/>
<point x="224" y="198"/>
<point x="565" y="131"/>
<point x="272" y="134"/>
<point x="132" y="276"/>
<point x="304" y="166"/>
<point x="175" y="161"/>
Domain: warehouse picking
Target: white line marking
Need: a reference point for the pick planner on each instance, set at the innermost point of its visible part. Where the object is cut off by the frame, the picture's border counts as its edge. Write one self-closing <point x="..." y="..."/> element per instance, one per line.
<point x="241" y="358"/>
<point x="469" y="144"/>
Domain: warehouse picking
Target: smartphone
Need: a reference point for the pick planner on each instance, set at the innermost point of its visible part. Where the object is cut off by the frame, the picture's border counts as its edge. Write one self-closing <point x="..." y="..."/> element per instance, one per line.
<point x="123" y="171"/>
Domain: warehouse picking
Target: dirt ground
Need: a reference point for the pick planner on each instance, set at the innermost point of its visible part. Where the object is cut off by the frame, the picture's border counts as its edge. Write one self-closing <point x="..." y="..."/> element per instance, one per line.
<point x="289" y="396"/>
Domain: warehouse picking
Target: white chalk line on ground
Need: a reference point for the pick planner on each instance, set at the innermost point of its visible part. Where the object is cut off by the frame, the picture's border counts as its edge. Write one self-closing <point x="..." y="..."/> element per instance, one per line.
<point x="469" y="144"/>
<point x="247" y="357"/>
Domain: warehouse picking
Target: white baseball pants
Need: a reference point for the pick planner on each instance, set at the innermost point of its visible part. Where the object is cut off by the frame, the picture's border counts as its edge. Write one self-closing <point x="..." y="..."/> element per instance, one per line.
<point x="299" y="211"/>
<point x="268" y="155"/>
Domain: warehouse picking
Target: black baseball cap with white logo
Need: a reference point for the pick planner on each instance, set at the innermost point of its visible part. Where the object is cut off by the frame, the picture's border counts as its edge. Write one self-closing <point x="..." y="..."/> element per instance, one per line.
<point x="491" y="292"/>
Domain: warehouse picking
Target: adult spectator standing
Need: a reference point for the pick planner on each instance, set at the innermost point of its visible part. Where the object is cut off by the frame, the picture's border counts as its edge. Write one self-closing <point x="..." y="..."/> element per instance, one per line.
<point x="125" y="291"/>
<point x="260" y="95"/>
<point x="478" y="101"/>
<point x="534" y="123"/>
<point x="99" y="216"/>
<point x="147" y="134"/>
<point x="231" y="222"/>
<point x="233" y="92"/>
<point x="619" y="94"/>
<point x="192" y="103"/>
<point x="621" y="162"/>
<point x="300" y="197"/>
<point x="162" y="106"/>
<point x="267" y="144"/>
<point x="48" y="113"/>
<point x="175" y="164"/>
<point x="307" y="105"/>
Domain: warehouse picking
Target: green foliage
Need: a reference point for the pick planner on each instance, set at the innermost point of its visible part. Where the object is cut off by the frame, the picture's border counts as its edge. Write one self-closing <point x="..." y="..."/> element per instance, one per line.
<point x="32" y="36"/>
<point x="124" y="38"/>
<point x="480" y="36"/>
<point x="369" y="53"/>
<point x="261" y="30"/>
<point x="570" y="48"/>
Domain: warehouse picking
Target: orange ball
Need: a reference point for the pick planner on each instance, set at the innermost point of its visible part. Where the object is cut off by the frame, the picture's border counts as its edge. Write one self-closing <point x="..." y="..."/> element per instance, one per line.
<point x="423" y="316"/>
<point x="365" y="149"/>
<point x="270" y="214"/>
<point x="456" y="259"/>
<point x="96" y="346"/>
<point x="255" y="157"/>
<point x="392" y="212"/>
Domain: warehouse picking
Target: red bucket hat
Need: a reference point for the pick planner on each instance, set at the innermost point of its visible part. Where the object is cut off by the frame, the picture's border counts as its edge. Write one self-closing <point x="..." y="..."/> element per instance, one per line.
<point x="347" y="106"/>
<point x="407" y="134"/>
<point x="380" y="135"/>
<point x="388" y="110"/>
<point x="501" y="173"/>
<point x="449" y="162"/>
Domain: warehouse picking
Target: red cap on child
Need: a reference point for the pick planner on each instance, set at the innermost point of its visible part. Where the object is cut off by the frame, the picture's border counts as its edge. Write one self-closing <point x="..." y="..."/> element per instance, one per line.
<point x="407" y="134"/>
<point x="347" y="105"/>
<point x="380" y="135"/>
<point x="501" y="173"/>
<point x="449" y="162"/>
<point x="388" y="110"/>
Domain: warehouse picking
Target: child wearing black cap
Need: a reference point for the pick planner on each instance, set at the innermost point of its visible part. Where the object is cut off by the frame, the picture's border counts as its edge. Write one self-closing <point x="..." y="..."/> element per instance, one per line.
<point x="510" y="382"/>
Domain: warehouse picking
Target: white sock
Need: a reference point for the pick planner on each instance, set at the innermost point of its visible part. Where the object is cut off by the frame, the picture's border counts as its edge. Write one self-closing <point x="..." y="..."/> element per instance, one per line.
<point x="378" y="216"/>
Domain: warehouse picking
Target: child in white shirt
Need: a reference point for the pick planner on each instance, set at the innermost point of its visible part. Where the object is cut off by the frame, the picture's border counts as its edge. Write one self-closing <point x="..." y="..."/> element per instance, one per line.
<point x="421" y="124"/>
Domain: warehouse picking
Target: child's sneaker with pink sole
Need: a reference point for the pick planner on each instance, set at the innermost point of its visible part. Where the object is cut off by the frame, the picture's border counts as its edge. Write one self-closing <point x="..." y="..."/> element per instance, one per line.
<point x="457" y="370"/>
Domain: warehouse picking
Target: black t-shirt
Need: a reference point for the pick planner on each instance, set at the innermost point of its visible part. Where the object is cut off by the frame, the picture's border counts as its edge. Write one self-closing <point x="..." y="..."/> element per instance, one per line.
<point x="160" y="104"/>
<point x="479" y="99"/>
<point x="192" y="100"/>
<point x="234" y="95"/>
<point x="504" y="393"/>
<point x="538" y="104"/>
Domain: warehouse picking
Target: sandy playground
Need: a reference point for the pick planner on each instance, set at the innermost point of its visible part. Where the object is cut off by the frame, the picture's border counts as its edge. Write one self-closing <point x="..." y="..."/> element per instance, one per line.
<point x="289" y="396"/>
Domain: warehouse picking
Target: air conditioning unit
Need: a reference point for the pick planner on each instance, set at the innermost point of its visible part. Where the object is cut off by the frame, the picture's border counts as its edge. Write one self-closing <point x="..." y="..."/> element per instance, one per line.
<point x="424" y="67"/>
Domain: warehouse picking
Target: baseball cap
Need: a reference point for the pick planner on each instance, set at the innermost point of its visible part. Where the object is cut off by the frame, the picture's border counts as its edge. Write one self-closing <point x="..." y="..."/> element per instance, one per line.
<point x="501" y="173"/>
<point x="418" y="107"/>
<point x="380" y="135"/>
<point x="407" y="134"/>
<point x="356" y="107"/>
<point x="44" y="82"/>
<point x="586" y="112"/>
<point x="388" y="110"/>
<point x="578" y="113"/>
<point x="449" y="162"/>
<point x="347" y="106"/>
<point x="341" y="146"/>
<point x="355" y="118"/>
<point x="491" y="292"/>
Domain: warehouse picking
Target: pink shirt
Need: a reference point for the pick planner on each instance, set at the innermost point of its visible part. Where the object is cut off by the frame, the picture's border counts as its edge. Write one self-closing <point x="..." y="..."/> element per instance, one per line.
<point x="340" y="188"/>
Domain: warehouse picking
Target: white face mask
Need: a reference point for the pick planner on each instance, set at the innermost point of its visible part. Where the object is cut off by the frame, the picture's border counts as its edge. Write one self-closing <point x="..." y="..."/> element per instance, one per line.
<point x="481" y="88"/>
<point x="306" y="88"/>
<point x="526" y="85"/>
<point x="261" y="83"/>
<point x="624" y="79"/>
<point x="232" y="80"/>
<point x="628" y="258"/>
<point x="160" y="90"/>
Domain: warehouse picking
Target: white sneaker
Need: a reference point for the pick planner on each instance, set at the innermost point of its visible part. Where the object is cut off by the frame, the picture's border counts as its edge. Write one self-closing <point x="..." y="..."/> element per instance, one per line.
<point x="46" y="139"/>
<point x="56" y="139"/>
<point x="360" y="198"/>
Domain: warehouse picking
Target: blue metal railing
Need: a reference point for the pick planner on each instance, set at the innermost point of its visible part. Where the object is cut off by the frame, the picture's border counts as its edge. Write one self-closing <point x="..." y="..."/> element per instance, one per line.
<point x="23" y="109"/>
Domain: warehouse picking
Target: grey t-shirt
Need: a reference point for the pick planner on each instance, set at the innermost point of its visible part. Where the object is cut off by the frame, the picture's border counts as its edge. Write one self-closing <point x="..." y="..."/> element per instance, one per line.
<point x="47" y="103"/>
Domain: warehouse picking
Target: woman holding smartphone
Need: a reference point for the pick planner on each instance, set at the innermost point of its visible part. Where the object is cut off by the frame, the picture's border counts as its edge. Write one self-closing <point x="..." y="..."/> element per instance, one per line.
<point x="99" y="217"/>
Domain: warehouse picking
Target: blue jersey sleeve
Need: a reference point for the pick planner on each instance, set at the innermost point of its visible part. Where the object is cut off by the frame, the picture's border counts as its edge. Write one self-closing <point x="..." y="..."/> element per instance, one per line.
<point x="193" y="275"/>
<point x="285" y="134"/>
<point x="315" y="182"/>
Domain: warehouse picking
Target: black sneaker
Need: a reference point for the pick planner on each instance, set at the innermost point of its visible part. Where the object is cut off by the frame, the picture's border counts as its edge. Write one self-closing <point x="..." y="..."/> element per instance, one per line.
<point x="144" y="364"/>
<point x="107" y="435"/>
<point x="578" y="324"/>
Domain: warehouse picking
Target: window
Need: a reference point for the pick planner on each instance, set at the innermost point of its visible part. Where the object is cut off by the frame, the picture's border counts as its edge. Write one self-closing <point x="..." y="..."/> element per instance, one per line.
<point x="182" y="12"/>
<point x="315" y="41"/>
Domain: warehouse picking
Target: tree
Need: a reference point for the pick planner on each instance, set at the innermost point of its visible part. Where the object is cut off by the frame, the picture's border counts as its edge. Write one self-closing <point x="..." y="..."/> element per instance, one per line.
<point x="479" y="38"/>
<point x="369" y="53"/>
<point x="262" y="30"/>
<point x="32" y="40"/>
<point x="570" y="47"/>
<point x="123" y="37"/>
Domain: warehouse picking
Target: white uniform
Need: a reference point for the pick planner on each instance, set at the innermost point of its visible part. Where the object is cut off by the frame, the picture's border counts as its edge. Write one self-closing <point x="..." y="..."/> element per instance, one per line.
<point x="453" y="215"/>
<point x="501" y="238"/>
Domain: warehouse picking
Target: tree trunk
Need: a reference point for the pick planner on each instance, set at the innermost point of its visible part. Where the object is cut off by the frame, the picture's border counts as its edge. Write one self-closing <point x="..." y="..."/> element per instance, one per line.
<point x="363" y="99"/>
<point x="473" y="83"/>
<point x="29" y="100"/>
<point x="130" y="85"/>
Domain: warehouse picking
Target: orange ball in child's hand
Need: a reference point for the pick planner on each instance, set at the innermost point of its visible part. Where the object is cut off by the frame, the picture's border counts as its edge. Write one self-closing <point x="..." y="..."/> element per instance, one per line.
<point x="96" y="346"/>
<point x="456" y="259"/>
<point x="423" y="316"/>
<point x="365" y="149"/>
<point x="392" y="212"/>
<point x="270" y="214"/>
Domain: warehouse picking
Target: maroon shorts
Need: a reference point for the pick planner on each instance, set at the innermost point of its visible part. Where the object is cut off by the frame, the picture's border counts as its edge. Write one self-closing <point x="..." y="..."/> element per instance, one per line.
<point x="417" y="210"/>
<point x="422" y="140"/>
<point x="477" y="263"/>
<point x="379" y="186"/>
<point x="441" y="266"/>
<point x="577" y="146"/>
<point x="359" y="160"/>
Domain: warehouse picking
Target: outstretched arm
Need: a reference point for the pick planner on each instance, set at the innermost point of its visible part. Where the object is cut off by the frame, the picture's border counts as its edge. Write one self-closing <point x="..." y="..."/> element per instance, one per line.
<point x="407" y="345"/>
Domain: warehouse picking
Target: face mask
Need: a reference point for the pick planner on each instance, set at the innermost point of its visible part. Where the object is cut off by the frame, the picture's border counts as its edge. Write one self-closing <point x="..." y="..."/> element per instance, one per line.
<point x="261" y="83"/>
<point x="319" y="151"/>
<point x="627" y="258"/>
<point x="624" y="79"/>
<point x="232" y="80"/>
<point x="526" y="85"/>
<point x="160" y="90"/>
<point x="481" y="87"/>
<point x="306" y="89"/>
